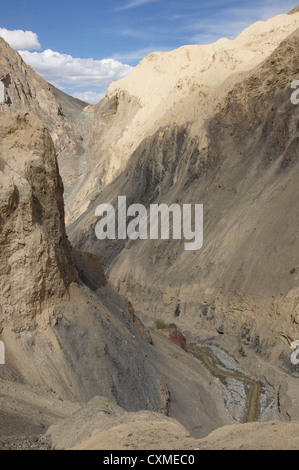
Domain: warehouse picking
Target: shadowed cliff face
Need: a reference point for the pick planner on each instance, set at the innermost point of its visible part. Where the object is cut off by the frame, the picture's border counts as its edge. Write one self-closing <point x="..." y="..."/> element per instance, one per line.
<point x="245" y="276"/>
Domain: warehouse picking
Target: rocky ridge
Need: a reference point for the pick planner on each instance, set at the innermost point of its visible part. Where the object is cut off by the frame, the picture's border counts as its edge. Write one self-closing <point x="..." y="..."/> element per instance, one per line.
<point x="66" y="118"/>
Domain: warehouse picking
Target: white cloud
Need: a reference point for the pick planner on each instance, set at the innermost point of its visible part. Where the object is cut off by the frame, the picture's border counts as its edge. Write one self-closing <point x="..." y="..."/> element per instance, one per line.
<point x="59" y="69"/>
<point x="19" y="39"/>
<point x="135" y="3"/>
<point x="89" y="96"/>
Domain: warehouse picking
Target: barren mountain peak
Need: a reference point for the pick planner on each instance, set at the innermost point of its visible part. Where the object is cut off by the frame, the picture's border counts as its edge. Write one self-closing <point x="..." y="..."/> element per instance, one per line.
<point x="184" y="85"/>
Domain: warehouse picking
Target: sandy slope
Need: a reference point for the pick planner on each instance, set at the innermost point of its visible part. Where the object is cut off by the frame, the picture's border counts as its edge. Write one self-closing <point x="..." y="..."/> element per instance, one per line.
<point x="103" y="425"/>
<point x="243" y="283"/>
<point x="60" y="335"/>
<point x="254" y="436"/>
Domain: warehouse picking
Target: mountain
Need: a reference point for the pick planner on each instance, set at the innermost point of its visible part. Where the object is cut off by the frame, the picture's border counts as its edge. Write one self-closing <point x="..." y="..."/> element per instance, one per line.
<point x="238" y="159"/>
<point x="180" y="87"/>
<point x="25" y="89"/>
<point x="229" y="143"/>
<point x="89" y="325"/>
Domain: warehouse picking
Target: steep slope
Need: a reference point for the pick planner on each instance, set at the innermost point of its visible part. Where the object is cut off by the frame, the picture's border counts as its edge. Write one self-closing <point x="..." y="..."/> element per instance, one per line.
<point x="66" y="118"/>
<point x="244" y="279"/>
<point x="179" y="87"/>
<point x="67" y="335"/>
<point x="71" y="143"/>
<point x="26" y="90"/>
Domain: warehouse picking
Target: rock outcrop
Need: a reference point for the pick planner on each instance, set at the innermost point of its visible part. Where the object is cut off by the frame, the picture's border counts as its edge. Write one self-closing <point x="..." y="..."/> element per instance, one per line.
<point x="25" y="90"/>
<point x="66" y="118"/>
<point x="103" y="425"/>
<point x="62" y="332"/>
<point x="36" y="267"/>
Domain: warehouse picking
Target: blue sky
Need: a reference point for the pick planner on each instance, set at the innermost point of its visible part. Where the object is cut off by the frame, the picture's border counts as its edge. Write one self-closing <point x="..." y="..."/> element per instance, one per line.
<point x="81" y="46"/>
